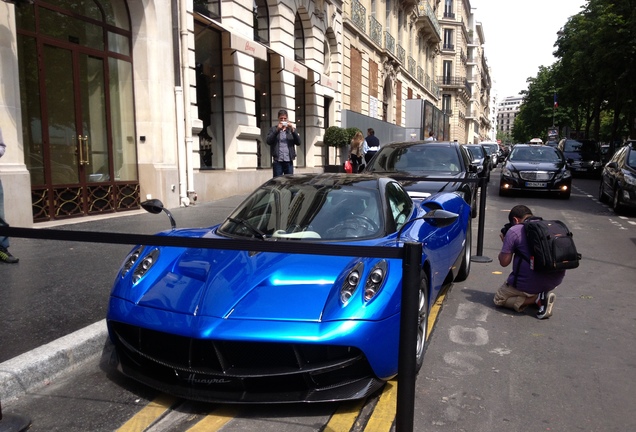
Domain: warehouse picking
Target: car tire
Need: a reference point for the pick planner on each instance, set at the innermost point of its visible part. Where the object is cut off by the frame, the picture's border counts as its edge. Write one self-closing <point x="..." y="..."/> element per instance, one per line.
<point x="565" y="195"/>
<point x="422" y="321"/>
<point x="616" y="201"/>
<point x="464" y="267"/>
<point x="601" y="194"/>
<point x="503" y="192"/>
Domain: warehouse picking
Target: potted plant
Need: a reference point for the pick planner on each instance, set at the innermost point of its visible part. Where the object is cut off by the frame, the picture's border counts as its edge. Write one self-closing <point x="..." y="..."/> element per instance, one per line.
<point x="336" y="137"/>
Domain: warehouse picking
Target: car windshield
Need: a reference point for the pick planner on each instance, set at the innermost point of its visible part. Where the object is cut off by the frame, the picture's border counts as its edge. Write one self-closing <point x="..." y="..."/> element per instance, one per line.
<point x="579" y="146"/>
<point x="416" y="159"/>
<point x="534" y="154"/>
<point x="490" y="148"/>
<point x="631" y="161"/>
<point x="476" y="152"/>
<point x="287" y="210"/>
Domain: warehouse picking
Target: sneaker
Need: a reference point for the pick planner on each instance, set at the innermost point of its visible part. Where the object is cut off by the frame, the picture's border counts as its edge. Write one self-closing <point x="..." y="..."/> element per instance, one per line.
<point x="545" y="303"/>
<point x="5" y="256"/>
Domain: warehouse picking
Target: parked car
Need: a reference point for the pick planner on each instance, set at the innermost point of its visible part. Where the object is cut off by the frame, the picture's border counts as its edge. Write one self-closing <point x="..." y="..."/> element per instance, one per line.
<point x="492" y="149"/>
<point x="427" y="167"/>
<point x="618" y="179"/>
<point x="480" y="159"/>
<point x="583" y="156"/>
<point x="552" y="143"/>
<point x="242" y="326"/>
<point x="535" y="168"/>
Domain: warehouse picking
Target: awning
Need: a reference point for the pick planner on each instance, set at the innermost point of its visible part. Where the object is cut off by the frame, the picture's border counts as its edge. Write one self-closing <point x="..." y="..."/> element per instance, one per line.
<point x="237" y="42"/>
<point x="323" y="80"/>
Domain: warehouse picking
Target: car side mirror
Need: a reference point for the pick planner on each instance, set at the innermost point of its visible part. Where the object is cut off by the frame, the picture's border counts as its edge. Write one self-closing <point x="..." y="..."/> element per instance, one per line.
<point x="155" y="206"/>
<point x="473" y="168"/>
<point x="612" y="165"/>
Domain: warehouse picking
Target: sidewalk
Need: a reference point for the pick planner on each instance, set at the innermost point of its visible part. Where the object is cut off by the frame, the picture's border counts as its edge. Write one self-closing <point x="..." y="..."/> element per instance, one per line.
<point x="54" y="301"/>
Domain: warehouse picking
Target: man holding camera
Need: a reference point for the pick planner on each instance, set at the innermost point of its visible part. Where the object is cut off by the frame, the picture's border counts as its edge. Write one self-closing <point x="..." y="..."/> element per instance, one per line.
<point x="524" y="286"/>
<point x="282" y="139"/>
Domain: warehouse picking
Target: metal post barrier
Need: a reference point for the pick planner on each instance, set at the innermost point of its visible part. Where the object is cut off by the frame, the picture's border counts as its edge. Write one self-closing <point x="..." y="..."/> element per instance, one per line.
<point x="408" y="337"/>
<point x="13" y="422"/>
<point x="482" y="220"/>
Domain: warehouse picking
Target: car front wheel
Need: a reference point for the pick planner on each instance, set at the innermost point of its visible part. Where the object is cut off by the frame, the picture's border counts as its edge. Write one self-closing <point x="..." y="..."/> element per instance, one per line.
<point x="601" y="194"/>
<point x="422" y="321"/>
<point x="616" y="200"/>
<point x="464" y="268"/>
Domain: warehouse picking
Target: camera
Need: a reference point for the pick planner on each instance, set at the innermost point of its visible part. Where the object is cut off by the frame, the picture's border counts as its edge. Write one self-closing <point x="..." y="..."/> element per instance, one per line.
<point x="284" y="123"/>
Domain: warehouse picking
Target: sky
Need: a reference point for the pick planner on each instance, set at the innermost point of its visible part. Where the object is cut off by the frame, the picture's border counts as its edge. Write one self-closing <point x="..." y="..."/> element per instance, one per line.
<point x="520" y="37"/>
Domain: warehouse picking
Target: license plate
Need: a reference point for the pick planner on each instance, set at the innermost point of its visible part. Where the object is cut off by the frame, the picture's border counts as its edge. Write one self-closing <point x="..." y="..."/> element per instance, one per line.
<point x="536" y="184"/>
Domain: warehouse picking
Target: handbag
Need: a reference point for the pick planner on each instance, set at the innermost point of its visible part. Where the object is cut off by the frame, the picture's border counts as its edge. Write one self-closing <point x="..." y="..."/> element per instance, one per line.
<point x="348" y="167"/>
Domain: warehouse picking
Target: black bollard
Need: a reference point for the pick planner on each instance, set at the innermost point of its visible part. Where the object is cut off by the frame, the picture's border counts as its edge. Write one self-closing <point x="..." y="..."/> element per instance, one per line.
<point x="405" y="409"/>
<point x="13" y="422"/>
<point x="482" y="220"/>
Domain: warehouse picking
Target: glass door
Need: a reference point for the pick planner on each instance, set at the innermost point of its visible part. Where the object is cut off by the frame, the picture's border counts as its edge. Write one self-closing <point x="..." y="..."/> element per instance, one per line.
<point x="77" y="139"/>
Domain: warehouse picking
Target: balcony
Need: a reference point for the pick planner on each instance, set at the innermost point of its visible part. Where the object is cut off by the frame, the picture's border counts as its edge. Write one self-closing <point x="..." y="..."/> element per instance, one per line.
<point x="449" y="15"/>
<point x="376" y="31"/>
<point x="448" y="47"/>
<point x="420" y="75"/>
<point x="401" y="54"/>
<point x="358" y="14"/>
<point x="427" y="21"/>
<point x="389" y="42"/>
<point x="412" y="66"/>
<point x="454" y="82"/>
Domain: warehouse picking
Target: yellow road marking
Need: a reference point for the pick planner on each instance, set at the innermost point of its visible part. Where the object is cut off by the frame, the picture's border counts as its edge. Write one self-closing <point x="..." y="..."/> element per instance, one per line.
<point x="215" y="420"/>
<point x="432" y="316"/>
<point x="148" y="414"/>
<point x="383" y="415"/>
<point x="345" y="416"/>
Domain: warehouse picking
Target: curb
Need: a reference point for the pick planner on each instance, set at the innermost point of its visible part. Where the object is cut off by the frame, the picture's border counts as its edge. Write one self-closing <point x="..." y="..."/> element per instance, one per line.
<point x="37" y="367"/>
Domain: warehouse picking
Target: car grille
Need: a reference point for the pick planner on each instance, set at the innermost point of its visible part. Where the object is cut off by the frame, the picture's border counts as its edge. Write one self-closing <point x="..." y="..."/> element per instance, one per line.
<point x="244" y="372"/>
<point x="536" y="175"/>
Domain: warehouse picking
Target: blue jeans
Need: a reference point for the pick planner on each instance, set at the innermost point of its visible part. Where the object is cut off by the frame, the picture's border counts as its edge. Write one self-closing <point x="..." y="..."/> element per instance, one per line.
<point x="4" y="241"/>
<point x="281" y="168"/>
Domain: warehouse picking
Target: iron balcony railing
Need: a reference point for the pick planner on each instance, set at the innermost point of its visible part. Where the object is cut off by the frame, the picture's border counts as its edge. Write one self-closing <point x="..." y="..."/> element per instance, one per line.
<point x="401" y="54"/>
<point x="420" y="74"/>
<point x="375" y="29"/>
<point x="358" y="12"/>
<point x="389" y="42"/>
<point x="424" y="9"/>
<point x="411" y="66"/>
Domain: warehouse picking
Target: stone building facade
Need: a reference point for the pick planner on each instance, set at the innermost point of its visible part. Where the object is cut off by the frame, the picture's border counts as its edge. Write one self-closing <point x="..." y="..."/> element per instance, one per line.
<point x="104" y="103"/>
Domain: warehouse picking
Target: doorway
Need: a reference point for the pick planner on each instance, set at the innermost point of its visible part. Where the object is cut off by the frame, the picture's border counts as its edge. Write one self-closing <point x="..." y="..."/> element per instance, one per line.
<point x="77" y="109"/>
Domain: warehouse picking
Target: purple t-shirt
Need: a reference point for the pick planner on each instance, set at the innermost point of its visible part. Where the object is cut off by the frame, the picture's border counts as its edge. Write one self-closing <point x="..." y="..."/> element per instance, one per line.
<point x="528" y="280"/>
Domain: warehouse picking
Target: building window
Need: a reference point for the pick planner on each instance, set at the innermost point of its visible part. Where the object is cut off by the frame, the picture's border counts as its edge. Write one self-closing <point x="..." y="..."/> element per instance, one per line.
<point x="446" y="104"/>
<point x="447" y="71"/>
<point x="301" y="121"/>
<point x="261" y="22"/>
<point x="209" y="73"/>
<point x="299" y="39"/>
<point x="448" y="9"/>
<point x="448" y="39"/>
<point x="211" y="9"/>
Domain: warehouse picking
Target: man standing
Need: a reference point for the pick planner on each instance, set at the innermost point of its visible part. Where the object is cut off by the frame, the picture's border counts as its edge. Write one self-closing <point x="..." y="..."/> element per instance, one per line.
<point x="282" y="139"/>
<point x="372" y="145"/>
<point x="5" y="255"/>
<point x="524" y="286"/>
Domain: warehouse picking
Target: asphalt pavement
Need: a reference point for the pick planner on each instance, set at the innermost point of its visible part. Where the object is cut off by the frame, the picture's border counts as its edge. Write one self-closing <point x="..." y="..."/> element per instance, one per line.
<point x="53" y="302"/>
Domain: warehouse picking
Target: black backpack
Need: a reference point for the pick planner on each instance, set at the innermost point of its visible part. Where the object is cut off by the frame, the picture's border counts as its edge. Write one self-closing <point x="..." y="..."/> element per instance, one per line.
<point x="551" y="245"/>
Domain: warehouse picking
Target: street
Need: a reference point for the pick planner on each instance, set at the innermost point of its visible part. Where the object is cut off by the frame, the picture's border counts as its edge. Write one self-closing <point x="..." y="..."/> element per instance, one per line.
<point x="486" y="369"/>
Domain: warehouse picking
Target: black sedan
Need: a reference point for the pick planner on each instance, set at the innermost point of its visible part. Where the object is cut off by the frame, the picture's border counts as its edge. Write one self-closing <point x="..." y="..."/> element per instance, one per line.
<point x="481" y="160"/>
<point x="427" y="167"/>
<point x="535" y="168"/>
<point x="618" y="179"/>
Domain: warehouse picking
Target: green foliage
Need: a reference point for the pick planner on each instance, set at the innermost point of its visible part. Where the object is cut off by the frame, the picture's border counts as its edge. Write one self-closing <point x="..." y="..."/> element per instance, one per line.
<point x="351" y="132"/>
<point x="594" y="77"/>
<point x="336" y="136"/>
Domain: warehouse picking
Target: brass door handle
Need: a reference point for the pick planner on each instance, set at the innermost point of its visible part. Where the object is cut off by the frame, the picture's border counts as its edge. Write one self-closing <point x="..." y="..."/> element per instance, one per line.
<point x="83" y="141"/>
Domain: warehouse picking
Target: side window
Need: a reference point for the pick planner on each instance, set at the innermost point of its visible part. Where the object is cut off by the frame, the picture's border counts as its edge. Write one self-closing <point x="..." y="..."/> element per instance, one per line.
<point x="400" y="204"/>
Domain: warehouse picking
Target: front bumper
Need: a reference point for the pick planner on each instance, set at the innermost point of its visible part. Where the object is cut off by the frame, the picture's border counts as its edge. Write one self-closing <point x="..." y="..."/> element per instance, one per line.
<point x="248" y="362"/>
<point x="508" y="183"/>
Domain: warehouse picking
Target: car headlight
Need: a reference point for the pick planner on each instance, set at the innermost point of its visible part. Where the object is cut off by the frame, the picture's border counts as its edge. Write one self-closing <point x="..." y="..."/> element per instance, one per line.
<point x="351" y="283"/>
<point x="563" y="174"/>
<point x="375" y="280"/>
<point x="144" y="265"/>
<point x="509" y="173"/>
<point x="130" y="260"/>
<point x="630" y="180"/>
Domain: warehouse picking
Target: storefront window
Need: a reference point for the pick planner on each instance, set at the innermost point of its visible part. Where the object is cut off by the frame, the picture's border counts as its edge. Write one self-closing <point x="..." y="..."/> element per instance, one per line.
<point x="209" y="72"/>
<point x="263" y="110"/>
<point x="301" y="150"/>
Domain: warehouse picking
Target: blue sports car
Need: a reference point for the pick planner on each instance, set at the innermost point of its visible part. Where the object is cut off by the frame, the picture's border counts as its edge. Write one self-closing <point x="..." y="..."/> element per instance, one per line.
<point x="244" y="326"/>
